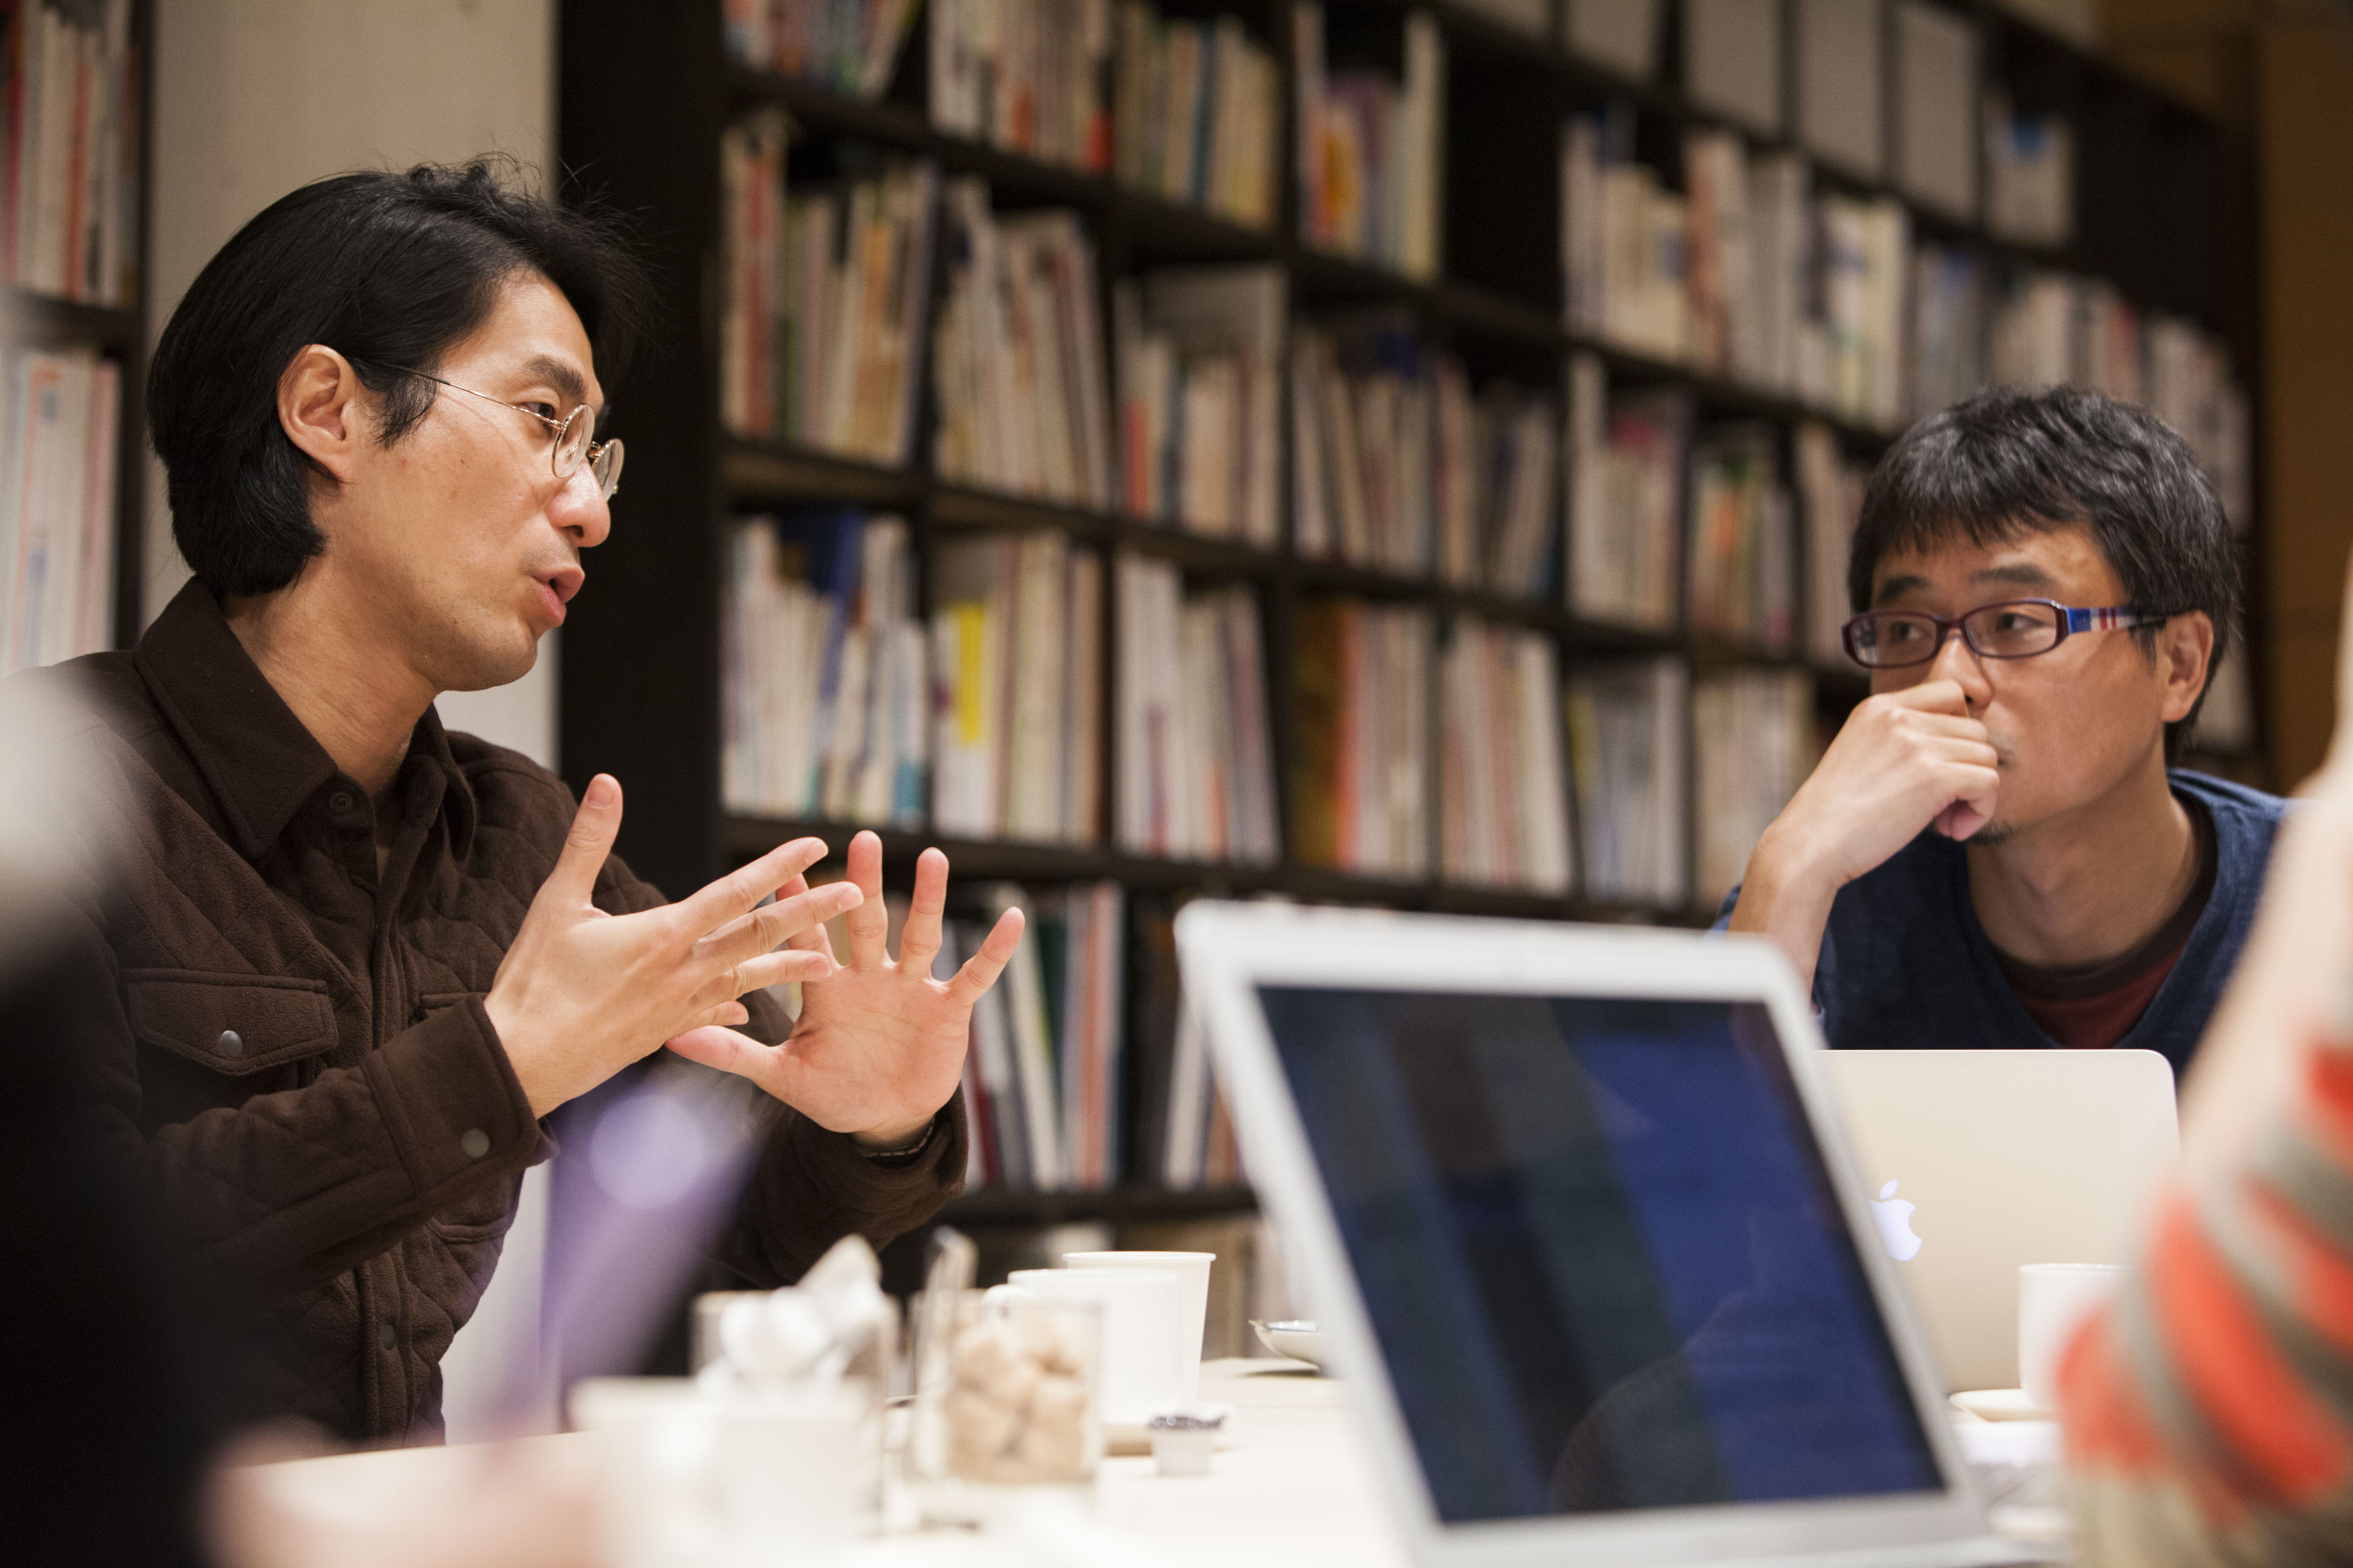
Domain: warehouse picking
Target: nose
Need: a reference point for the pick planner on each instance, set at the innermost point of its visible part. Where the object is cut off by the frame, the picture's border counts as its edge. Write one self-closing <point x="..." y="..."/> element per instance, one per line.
<point x="1957" y="661"/>
<point x="580" y="512"/>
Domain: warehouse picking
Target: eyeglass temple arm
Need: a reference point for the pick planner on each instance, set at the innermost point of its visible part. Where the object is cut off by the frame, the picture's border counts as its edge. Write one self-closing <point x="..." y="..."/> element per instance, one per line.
<point x="2120" y="618"/>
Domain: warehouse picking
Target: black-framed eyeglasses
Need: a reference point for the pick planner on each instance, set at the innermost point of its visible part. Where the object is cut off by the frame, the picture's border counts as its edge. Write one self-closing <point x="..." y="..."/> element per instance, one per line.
<point x="2015" y="628"/>
<point x="573" y="446"/>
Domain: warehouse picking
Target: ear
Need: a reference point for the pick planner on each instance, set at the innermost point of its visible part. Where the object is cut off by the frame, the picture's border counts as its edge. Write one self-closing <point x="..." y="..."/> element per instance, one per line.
<point x="2185" y="652"/>
<point x="319" y="398"/>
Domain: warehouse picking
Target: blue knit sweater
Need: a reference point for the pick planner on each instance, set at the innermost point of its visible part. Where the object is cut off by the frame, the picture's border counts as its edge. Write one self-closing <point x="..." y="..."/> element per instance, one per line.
<point x="1905" y="964"/>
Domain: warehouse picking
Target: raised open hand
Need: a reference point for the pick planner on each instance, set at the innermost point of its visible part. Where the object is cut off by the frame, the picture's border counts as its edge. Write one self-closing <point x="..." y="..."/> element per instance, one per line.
<point x="881" y="1045"/>
<point x="581" y="992"/>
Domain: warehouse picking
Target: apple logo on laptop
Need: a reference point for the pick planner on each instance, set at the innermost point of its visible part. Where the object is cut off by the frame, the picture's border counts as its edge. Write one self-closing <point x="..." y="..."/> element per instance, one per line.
<point x="1894" y="1216"/>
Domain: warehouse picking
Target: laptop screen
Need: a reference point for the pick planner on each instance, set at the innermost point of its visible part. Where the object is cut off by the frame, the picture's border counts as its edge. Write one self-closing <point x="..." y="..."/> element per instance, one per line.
<point x="1599" y="1250"/>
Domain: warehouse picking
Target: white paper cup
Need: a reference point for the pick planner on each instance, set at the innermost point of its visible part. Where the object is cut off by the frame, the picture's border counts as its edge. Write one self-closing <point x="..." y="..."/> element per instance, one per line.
<point x="2053" y="1300"/>
<point x="1192" y="1271"/>
<point x="1140" y="1309"/>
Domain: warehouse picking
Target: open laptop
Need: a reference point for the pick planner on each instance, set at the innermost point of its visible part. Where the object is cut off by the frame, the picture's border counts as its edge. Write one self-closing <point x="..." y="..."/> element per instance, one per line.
<point x="1979" y="1160"/>
<point x="1585" y="1241"/>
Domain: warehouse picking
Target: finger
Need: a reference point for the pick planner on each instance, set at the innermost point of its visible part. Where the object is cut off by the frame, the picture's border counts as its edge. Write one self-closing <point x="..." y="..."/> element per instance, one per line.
<point x="759" y="972"/>
<point x="1945" y="724"/>
<point x="773" y="925"/>
<point x="813" y="939"/>
<point x="1974" y="754"/>
<point x="981" y="971"/>
<point x="869" y="922"/>
<point x="716" y="1046"/>
<point x="1975" y="791"/>
<point x="740" y="891"/>
<point x="586" y="846"/>
<point x="1933" y="696"/>
<point x="919" y="940"/>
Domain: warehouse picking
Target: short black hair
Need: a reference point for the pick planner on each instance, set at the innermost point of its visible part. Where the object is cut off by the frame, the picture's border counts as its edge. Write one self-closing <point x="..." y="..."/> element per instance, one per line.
<point x="392" y="270"/>
<point x="2013" y="460"/>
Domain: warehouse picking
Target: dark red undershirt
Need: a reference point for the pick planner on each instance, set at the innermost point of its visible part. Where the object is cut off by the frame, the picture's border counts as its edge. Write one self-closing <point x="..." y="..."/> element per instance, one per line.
<point x="2093" y="1008"/>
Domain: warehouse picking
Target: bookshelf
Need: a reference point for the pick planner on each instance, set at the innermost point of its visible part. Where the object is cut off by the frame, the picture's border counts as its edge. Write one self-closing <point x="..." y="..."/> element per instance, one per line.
<point x="645" y="98"/>
<point x="43" y="320"/>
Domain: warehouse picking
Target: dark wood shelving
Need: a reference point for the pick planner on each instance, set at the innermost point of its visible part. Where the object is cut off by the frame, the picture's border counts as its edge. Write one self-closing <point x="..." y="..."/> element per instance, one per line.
<point x="997" y="859"/>
<point x="1025" y="1206"/>
<point x="48" y="321"/>
<point x="646" y="92"/>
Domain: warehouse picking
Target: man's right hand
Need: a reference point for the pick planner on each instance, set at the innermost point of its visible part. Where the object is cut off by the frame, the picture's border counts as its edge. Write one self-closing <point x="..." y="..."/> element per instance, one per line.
<point x="582" y="994"/>
<point x="1902" y="760"/>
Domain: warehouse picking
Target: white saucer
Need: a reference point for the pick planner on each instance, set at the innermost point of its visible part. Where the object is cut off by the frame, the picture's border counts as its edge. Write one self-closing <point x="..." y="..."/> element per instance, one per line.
<point x="1299" y="1341"/>
<point x="2000" y="1404"/>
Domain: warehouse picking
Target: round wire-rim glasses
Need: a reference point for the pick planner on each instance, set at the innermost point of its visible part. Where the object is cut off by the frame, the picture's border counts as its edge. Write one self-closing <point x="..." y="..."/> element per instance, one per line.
<point x="2014" y="628"/>
<point x="573" y="446"/>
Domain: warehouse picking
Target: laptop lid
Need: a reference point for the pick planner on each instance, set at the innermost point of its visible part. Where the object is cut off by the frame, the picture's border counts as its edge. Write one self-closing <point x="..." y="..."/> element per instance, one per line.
<point x="1583" y="1237"/>
<point x="1978" y="1161"/>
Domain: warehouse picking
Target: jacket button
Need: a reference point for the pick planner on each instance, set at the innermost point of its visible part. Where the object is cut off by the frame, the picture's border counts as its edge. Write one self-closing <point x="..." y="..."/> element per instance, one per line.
<point x="342" y="803"/>
<point x="388" y="1336"/>
<point x="475" y="1142"/>
<point x="232" y="1043"/>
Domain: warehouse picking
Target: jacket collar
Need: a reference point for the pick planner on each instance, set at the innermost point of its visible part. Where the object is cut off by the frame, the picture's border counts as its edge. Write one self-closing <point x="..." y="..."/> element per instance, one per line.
<point x="260" y="762"/>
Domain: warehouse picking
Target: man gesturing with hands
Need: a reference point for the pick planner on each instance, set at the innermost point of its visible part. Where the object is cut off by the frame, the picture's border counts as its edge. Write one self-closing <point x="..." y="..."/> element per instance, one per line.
<point x="1994" y="851"/>
<point x="880" y="1045"/>
<point x="354" y="959"/>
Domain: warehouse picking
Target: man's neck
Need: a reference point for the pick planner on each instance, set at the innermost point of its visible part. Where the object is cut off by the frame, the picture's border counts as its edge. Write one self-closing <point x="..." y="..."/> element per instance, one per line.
<point x="2090" y="884"/>
<point x="357" y="701"/>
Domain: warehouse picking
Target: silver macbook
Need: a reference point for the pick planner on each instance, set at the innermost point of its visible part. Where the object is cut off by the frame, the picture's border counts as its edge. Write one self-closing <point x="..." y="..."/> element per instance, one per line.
<point x="1583" y="1240"/>
<point x="1978" y="1161"/>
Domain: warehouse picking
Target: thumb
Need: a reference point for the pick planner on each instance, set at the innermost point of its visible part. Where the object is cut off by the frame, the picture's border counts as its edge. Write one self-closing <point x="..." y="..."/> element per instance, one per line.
<point x="594" y="827"/>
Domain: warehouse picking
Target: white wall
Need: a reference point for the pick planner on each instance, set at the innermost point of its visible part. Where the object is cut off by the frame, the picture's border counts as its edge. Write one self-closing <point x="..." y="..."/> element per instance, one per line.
<point x="256" y="97"/>
<point x="252" y="99"/>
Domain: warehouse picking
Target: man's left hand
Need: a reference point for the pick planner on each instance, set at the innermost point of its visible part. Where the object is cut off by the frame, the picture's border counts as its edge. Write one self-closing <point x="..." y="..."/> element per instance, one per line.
<point x="880" y="1046"/>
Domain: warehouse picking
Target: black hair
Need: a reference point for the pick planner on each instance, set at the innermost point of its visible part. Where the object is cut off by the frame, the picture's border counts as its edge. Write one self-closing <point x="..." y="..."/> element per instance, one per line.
<point x="392" y="270"/>
<point x="2014" y="460"/>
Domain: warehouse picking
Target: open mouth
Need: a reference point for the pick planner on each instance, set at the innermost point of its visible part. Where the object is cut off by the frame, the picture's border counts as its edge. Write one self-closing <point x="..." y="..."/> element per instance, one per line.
<point x="556" y="589"/>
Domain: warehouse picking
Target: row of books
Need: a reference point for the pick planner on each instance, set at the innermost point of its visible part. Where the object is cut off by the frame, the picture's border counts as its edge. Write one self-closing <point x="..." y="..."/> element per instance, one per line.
<point x="1754" y="731"/>
<point x="1653" y="489"/>
<point x="69" y="139"/>
<point x="1196" y="114"/>
<point x="825" y="680"/>
<point x="850" y="46"/>
<point x="1196" y="752"/>
<point x="827" y="716"/>
<point x="1085" y="1068"/>
<point x="1033" y="77"/>
<point x="58" y="419"/>
<point x="1016" y="677"/>
<point x="1371" y="136"/>
<point x="1200" y="358"/>
<point x="1024" y="403"/>
<point x="824" y="298"/>
<point x="1895" y="91"/>
<point x="2030" y="175"/>
<point x="1360" y="780"/>
<point x="1747" y="274"/>
<point x="1502" y="789"/>
<point x="1043" y="1080"/>
<point x="1394" y="465"/>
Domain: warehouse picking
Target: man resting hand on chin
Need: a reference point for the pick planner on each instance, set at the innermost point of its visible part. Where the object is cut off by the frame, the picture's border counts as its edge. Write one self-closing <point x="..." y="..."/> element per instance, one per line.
<point x="1994" y="851"/>
<point x="353" y="959"/>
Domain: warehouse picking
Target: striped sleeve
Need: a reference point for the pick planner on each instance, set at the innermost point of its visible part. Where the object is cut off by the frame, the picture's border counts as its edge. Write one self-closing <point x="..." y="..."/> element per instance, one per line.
<point x="2209" y="1411"/>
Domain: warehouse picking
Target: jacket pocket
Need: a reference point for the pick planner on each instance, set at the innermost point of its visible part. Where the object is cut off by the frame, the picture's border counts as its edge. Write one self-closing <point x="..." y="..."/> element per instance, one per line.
<point x="234" y="1024"/>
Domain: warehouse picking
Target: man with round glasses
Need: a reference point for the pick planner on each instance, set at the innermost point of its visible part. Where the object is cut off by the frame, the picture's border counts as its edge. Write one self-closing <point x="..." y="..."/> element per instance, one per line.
<point x="353" y="962"/>
<point x="1995" y="850"/>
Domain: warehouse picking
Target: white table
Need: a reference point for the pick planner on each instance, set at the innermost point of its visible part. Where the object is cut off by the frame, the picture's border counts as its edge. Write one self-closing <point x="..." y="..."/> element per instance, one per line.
<point x="1292" y="1486"/>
